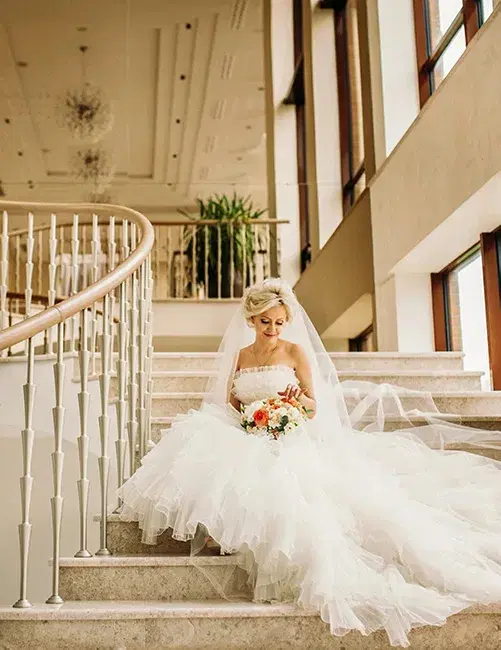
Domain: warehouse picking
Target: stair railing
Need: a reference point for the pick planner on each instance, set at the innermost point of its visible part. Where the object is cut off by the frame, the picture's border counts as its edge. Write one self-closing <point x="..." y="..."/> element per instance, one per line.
<point x="99" y="255"/>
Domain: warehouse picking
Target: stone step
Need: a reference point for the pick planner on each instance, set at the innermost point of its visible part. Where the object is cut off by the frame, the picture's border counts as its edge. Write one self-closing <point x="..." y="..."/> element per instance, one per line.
<point x="124" y="538"/>
<point x="461" y="403"/>
<point x="219" y="625"/>
<point x="161" y="577"/>
<point x="430" y="380"/>
<point x="169" y="404"/>
<point x="342" y="360"/>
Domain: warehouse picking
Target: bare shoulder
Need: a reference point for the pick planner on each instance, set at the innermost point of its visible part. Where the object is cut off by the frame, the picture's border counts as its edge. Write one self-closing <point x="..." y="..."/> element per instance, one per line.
<point x="296" y="350"/>
<point x="297" y="353"/>
<point x="243" y="355"/>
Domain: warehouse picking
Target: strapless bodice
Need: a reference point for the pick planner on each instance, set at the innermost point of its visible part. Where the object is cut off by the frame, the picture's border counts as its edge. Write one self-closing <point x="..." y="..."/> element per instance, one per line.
<point x="261" y="382"/>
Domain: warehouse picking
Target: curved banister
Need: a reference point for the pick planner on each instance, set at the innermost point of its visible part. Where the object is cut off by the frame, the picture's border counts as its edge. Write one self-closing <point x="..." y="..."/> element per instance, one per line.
<point x="87" y="297"/>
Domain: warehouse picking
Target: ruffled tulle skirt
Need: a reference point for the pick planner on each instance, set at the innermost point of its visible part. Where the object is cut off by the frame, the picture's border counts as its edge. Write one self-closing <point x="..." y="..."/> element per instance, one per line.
<point x="372" y="530"/>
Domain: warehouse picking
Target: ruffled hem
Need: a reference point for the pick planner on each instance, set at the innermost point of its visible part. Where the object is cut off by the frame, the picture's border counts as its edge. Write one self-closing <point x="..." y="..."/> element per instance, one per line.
<point x="377" y="531"/>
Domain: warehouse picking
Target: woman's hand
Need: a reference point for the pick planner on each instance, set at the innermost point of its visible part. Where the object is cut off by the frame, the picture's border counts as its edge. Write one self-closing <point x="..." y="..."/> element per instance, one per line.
<point x="293" y="391"/>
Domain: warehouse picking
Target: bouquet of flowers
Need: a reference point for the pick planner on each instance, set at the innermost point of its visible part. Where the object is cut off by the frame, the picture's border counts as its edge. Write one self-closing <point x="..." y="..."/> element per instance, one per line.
<point x="272" y="417"/>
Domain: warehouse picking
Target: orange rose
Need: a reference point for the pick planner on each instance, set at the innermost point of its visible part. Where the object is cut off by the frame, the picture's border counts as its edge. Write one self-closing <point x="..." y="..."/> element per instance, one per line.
<point x="261" y="418"/>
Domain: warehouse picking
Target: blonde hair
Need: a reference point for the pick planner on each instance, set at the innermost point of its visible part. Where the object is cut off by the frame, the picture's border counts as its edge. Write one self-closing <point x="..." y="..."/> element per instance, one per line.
<point x="265" y="295"/>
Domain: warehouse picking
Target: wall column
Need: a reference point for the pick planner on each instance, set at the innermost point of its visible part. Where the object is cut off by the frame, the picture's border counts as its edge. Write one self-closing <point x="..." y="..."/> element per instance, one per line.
<point x="283" y="199"/>
<point x="404" y="314"/>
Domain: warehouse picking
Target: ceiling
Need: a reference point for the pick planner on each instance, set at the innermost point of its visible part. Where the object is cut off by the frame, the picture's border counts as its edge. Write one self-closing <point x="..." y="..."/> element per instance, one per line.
<point x="185" y="82"/>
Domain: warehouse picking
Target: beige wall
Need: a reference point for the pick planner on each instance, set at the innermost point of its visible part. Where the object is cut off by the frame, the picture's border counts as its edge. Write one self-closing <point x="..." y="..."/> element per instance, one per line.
<point x="427" y="203"/>
<point x="399" y="80"/>
<point x="450" y="152"/>
<point x="341" y="276"/>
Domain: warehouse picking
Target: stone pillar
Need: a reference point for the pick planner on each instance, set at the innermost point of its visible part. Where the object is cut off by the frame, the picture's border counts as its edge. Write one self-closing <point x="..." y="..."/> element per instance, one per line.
<point x="283" y="200"/>
<point x="372" y="86"/>
<point x="404" y="314"/>
<point x="326" y="121"/>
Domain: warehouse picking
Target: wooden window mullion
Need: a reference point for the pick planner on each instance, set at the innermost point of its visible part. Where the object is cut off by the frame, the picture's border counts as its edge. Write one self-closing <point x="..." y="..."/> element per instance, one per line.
<point x="440" y="302"/>
<point x="471" y="17"/>
<point x="341" y="44"/>
<point x="422" y="50"/>
<point x="490" y="244"/>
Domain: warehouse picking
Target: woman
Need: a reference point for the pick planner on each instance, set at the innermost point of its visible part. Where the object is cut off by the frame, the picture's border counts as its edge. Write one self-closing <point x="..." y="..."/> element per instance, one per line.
<point x="372" y="529"/>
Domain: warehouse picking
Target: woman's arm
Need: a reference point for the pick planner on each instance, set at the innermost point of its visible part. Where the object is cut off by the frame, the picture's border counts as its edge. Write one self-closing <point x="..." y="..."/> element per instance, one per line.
<point x="232" y="399"/>
<point x="303" y="373"/>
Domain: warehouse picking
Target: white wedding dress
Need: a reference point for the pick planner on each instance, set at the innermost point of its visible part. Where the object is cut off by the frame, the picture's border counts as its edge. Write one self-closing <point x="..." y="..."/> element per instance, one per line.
<point x="371" y="529"/>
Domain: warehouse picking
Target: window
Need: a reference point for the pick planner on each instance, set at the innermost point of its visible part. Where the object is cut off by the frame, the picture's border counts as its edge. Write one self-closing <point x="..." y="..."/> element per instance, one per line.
<point x="296" y="96"/>
<point x="467" y="308"/>
<point x="443" y="30"/>
<point x="364" y="342"/>
<point x="350" y="100"/>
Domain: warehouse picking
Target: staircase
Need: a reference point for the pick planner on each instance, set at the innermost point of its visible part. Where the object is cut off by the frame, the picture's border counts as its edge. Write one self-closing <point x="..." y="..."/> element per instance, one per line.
<point x="156" y="596"/>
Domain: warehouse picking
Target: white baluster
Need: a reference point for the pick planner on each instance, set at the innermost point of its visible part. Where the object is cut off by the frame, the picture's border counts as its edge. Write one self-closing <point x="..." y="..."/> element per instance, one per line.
<point x="57" y="456"/>
<point x="268" y="251"/>
<point x="279" y="251"/>
<point x="95" y="276"/>
<point x="206" y="262"/>
<point x="85" y="262"/>
<point x="4" y="275"/>
<point x="157" y="250"/>
<point x="52" y="277"/>
<point x="30" y="245"/>
<point x="28" y="291"/>
<point x="112" y="251"/>
<point x="243" y="231"/>
<point x="75" y="244"/>
<point x="27" y="436"/>
<point x="170" y="280"/>
<point x="255" y="229"/>
<point x="83" y="482"/>
<point x="132" y="395"/>
<point x="141" y="374"/>
<point x="219" y="265"/>
<point x="40" y="262"/>
<point x="231" y="244"/>
<point x="194" y="263"/>
<point x="104" y="460"/>
<point x="149" y="359"/>
<point x="17" y="261"/>
<point x="121" y="404"/>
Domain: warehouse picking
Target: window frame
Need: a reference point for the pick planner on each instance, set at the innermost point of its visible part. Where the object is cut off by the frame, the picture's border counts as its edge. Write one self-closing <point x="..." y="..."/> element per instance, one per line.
<point x="350" y="176"/>
<point x="296" y="98"/>
<point x="357" y="344"/>
<point x="470" y="18"/>
<point x="490" y="249"/>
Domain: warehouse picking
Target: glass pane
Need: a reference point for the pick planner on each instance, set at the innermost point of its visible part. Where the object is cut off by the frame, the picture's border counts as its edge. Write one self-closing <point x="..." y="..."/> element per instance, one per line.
<point x="355" y="85"/>
<point x="441" y="14"/>
<point x="486" y="8"/>
<point x="449" y="58"/>
<point x="467" y="316"/>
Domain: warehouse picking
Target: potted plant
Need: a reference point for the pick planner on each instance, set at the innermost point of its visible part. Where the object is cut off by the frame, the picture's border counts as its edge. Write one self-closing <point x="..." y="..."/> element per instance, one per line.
<point x="235" y="216"/>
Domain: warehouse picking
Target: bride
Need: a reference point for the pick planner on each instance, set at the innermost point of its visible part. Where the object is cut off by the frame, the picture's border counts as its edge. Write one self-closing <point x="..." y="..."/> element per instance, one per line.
<point x="372" y="529"/>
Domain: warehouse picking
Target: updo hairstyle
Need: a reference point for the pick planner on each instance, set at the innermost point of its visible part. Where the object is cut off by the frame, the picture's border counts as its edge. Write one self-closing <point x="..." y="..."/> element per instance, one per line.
<point x="265" y="295"/>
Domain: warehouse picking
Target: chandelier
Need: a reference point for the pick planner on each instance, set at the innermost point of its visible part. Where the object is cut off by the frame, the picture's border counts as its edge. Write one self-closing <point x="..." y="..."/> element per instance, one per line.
<point x="93" y="166"/>
<point x="83" y="111"/>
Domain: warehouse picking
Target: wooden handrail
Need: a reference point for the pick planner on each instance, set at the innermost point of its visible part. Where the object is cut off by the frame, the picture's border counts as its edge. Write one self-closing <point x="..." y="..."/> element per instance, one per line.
<point x="193" y="222"/>
<point x="215" y="222"/>
<point x="40" y="299"/>
<point x="94" y="292"/>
